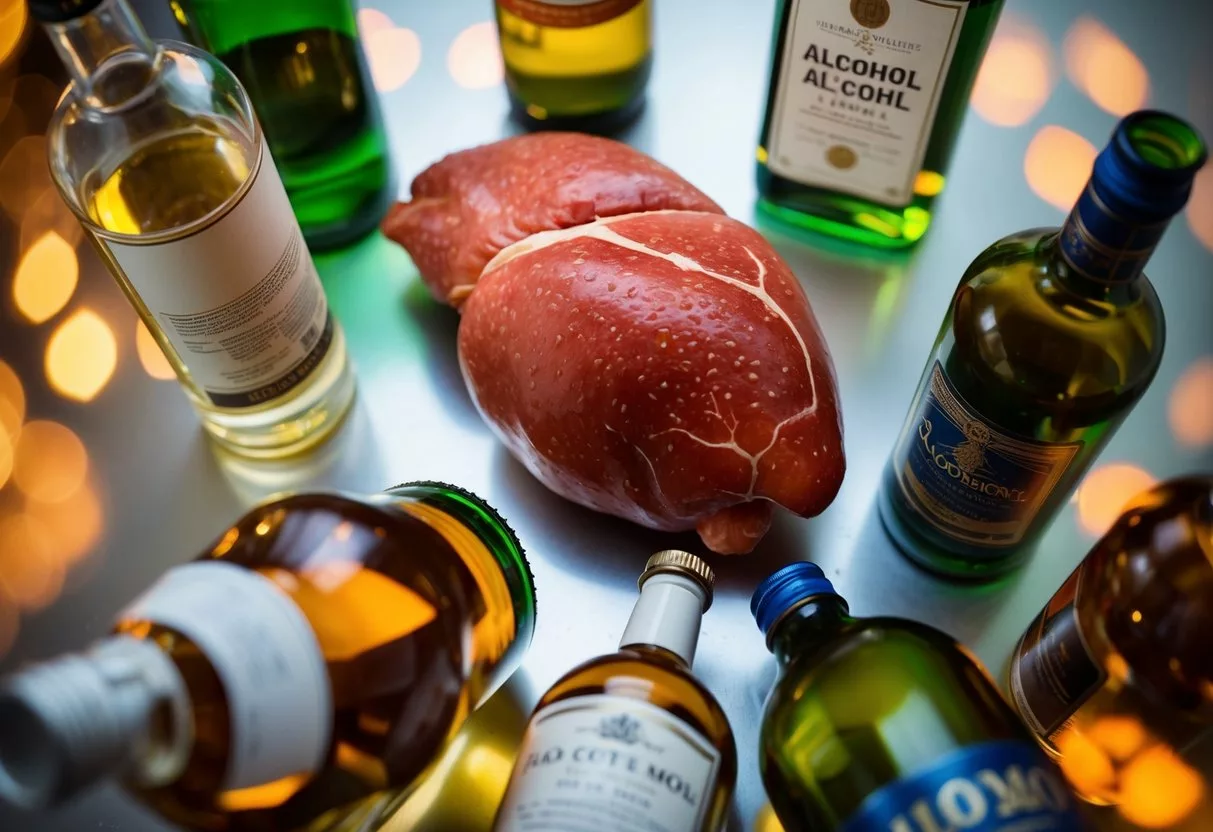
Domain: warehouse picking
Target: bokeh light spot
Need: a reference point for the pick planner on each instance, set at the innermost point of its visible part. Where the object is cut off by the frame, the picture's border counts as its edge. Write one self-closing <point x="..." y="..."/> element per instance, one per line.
<point x="24" y="175"/>
<point x="394" y="55"/>
<point x="373" y="20"/>
<point x="10" y="621"/>
<point x="474" y="59"/>
<point x="50" y="462"/>
<point x="73" y="526"/>
<point x="46" y="278"/>
<point x="81" y="356"/>
<point x="1190" y="408"/>
<point x="150" y="355"/>
<point x="1106" y="491"/>
<point x="1057" y="165"/>
<point x="12" y="27"/>
<point x="1158" y="789"/>
<point x="1120" y="736"/>
<point x="1200" y="207"/>
<point x="1016" y="76"/>
<point x="1103" y="67"/>
<point x="29" y="572"/>
<point x="50" y="213"/>
<point x="6" y="457"/>
<point x="12" y="402"/>
<point x="1084" y="763"/>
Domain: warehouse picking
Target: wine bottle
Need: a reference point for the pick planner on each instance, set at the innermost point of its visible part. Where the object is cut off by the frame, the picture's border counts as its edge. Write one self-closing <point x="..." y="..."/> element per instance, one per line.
<point x="324" y="649"/>
<point x="575" y="64"/>
<point x="1051" y="337"/>
<point x="631" y="736"/>
<point x="1115" y="676"/>
<point x="864" y="105"/>
<point x="890" y="725"/>
<point x="157" y="151"/>
<point x="308" y="79"/>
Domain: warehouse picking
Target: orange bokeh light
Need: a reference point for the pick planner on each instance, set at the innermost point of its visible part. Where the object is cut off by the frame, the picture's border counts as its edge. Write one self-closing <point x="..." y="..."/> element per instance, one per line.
<point x="1084" y="763"/>
<point x="1016" y="76"/>
<point x="73" y="526"/>
<point x="1103" y="67"/>
<point x="81" y="356"/>
<point x="1200" y="207"/>
<point x="150" y="355"/>
<point x="46" y="278"/>
<point x="1158" y="789"/>
<point x="29" y="572"/>
<point x="50" y="213"/>
<point x="50" y="462"/>
<point x="393" y="54"/>
<point x="12" y="401"/>
<point x="24" y="175"/>
<point x="12" y="27"/>
<point x="1120" y="736"/>
<point x="6" y="457"/>
<point x="1057" y="165"/>
<point x="1190" y="407"/>
<point x="1106" y="491"/>
<point x="474" y="59"/>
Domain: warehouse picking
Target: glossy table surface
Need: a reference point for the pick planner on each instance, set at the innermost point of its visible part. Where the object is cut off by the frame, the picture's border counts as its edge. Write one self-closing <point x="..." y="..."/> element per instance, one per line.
<point x="156" y="492"/>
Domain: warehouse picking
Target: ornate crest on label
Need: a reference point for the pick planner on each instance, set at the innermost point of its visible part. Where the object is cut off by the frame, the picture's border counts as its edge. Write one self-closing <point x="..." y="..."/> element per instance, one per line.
<point x="871" y="14"/>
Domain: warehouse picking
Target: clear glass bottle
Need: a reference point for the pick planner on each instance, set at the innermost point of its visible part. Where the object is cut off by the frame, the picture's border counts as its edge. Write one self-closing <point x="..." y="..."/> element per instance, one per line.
<point x="1115" y="676"/>
<point x="304" y="69"/>
<point x="887" y="724"/>
<point x="156" y="149"/>
<point x="324" y="649"/>
<point x="576" y="64"/>
<point x="632" y="735"/>
<point x="864" y="106"/>
<point x="1051" y="337"/>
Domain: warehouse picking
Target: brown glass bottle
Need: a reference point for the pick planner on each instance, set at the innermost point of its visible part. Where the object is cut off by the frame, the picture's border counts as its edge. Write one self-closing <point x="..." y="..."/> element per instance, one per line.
<point x="411" y="607"/>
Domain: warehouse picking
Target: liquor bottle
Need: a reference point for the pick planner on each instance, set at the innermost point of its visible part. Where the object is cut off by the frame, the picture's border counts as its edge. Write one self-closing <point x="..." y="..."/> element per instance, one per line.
<point x="157" y="151"/>
<point x="307" y="76"/>
<point x="864" y="105"/>
<point x="575" y="64"/>
<point x="1051" y="337"/>
<point x="887" y="725"/>
<point x="632" y="735"/>
<point x="324" y="649"/>
<point x="1115" y="676"/>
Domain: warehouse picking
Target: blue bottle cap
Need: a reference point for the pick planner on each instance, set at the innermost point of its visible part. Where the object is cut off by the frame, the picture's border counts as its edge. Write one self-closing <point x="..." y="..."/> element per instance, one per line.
<point x="786" y="588"/>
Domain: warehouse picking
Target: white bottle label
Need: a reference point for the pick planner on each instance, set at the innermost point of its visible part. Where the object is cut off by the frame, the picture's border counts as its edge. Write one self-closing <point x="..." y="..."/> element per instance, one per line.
<point x="859" y="84"/>
<point x="265" y="654"/>
<point x="609" y="762"/>
<point x="240" y="300"/>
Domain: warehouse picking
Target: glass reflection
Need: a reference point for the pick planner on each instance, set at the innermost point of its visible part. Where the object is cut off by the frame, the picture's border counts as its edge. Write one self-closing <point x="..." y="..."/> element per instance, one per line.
<point x="1105" y="491"/>
<point x="474" y="59"/>
<point x="1105" y="68"/>
<point x="1057" y="165"/>
<point x="1017" y="76"/>
<point x="81" y="356"/>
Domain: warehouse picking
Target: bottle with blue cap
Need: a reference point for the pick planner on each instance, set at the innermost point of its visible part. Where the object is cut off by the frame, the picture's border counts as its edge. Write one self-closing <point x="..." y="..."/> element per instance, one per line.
<point x="888" y="725"/>
<point x="1051" y="338"/>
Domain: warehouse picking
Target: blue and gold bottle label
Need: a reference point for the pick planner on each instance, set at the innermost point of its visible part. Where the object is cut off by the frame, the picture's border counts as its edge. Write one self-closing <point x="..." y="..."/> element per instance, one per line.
<point x="967" y="478"/>
<point x="991" y="787"/>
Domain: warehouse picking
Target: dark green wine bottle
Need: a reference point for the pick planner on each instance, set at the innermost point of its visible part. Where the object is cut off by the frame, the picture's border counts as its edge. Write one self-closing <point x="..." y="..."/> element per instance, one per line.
<point x="887" y="725"/>
<point x="305" y="72"/>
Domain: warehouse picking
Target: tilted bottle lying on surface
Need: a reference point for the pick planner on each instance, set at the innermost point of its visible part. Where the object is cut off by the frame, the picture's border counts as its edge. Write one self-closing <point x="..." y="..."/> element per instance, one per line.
<point x="324" y="649"/>
<point x="308" y="79"/>
<point x="157" y="151"/>
<point x="888" y="725"/>
<point x="864" y="106"/>
<point x="1115" y="676"/>
<point x="631" y="740"/>
<point x="576" y="64"/>
<point x="1051" y="338"/>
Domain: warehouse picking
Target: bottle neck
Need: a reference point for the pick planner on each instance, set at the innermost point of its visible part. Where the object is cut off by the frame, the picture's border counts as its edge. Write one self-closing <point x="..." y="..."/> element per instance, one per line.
<point x="667" y="615"/>
<point x="108" y="55"/>
<point x="806" y="627"/>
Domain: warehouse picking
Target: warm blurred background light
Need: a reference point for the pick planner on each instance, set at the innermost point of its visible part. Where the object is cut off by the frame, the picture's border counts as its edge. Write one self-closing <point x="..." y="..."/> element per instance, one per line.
<point x="150" y="355"/>
<point x="1190" y="409"/>
<point x="1103" y="67"/>
<point x="46" y="278"/>
<point x="372" y="20"/>
<point x="1200" y="206"/>
<point x="12" y="402"/>
<point x="24" y="175"/>
<point x="393" y="52"/>
<point x="29" y="572"/>
<point x="13" y="18"/>
<point x="474" y="59"/>
<point x="1158" y="789"/>
<point x="73" y="525"/>
<point x="1058" y="164"/>
<point x="81" y="356"/>
<point x="10" y="623"/>
<point x="1105" y="491"/>
<point x="1017" y="75"/>
<point x="50" y="463"/>
<point x="49" y="213"/>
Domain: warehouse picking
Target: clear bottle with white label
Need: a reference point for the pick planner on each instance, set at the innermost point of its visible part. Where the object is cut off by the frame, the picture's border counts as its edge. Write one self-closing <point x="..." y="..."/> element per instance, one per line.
<point x="631" y="736"/>
<point x="864" y="105"/>
<point x="319" y="656"/>
<point x="156" y="149"/>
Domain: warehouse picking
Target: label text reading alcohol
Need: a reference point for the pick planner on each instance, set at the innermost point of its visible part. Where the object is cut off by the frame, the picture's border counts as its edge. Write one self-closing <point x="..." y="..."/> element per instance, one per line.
<point x="953" y="470"/>
<point x="894" y="80"/>
<point x="968" y="802"/>
<point x="610" y="758"/>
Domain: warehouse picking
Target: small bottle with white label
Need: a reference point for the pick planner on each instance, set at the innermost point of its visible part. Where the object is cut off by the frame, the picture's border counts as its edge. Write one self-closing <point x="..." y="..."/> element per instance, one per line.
<point x="631" y="736"/>
<point x="865" y="102"/>
<point x="321" y="652"/>
<point x="156" y="149"/>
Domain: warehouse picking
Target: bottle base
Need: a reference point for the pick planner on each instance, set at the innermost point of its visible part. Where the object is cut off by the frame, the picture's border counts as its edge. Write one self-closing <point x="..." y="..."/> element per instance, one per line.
<point x="932" y="558"/>
<point x="880" y="229"/>
<point x="309" y="415"/>
<point x="604" y="123"/>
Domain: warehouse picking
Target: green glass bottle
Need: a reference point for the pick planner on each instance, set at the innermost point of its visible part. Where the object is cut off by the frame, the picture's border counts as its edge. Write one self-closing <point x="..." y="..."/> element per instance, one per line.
<point x="887" y="725"/>
<point x="1051" y="338"/>
<point x="864" y="104"/>
<point x="305" y="72"/>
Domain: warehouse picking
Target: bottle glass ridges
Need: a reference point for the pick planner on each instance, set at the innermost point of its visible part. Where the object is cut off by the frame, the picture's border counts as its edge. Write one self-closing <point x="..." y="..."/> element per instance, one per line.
<point x="323" y="650"/>
<point x="1051" y="337"/>
<point x="156" y="149"/>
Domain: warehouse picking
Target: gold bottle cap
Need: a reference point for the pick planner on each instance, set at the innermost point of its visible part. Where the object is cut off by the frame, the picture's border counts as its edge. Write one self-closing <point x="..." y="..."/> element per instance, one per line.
<point x="681" y="563"/>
